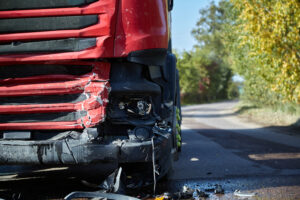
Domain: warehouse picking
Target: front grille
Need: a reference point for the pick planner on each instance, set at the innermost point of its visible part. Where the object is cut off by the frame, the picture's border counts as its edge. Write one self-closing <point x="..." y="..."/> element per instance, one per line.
<point x="47" y="78"/>
<point x="39" y="4"/>
<point x="56" y="30"/>
<point x="42" y="117"/>
<point x="50" y="99"/>
<point x="29" y="70"/>
<point x="64" y="45"/>
<point x="58" y="96"/>
<point x="47" y="23"/>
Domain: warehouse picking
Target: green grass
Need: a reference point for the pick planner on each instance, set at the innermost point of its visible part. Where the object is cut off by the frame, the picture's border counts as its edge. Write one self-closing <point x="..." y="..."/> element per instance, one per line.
<point x="279" y="115"/>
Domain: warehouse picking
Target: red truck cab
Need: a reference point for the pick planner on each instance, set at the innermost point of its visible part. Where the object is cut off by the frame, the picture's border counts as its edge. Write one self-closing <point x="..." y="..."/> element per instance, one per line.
<point x="88" y="83"/>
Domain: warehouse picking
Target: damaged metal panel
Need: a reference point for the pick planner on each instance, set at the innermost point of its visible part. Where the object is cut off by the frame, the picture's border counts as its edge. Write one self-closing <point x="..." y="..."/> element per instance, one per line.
<point x="53" y="114"/>
<point x="88" y="112"/>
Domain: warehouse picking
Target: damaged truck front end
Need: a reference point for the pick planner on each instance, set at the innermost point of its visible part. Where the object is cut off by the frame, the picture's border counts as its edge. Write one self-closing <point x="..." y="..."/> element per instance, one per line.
<point x="88" y="83"/>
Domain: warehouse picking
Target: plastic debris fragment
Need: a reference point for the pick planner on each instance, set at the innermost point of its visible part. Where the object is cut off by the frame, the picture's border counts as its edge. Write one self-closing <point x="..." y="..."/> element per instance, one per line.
<point x="243" y="194"/>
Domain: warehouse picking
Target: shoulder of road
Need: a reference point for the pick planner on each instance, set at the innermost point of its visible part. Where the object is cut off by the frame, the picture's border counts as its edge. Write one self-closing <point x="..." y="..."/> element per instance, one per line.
<point x="223" y="116"/>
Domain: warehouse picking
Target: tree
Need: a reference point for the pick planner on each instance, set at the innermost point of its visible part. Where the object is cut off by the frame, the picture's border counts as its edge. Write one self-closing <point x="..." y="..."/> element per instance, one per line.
<point x="191" y="72"/>
<point x="211" y="48"/>
<point x="265" y="48"/>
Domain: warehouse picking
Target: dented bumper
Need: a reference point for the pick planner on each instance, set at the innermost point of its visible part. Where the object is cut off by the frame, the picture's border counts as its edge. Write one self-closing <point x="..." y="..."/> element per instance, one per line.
<point x="83" y="150"/>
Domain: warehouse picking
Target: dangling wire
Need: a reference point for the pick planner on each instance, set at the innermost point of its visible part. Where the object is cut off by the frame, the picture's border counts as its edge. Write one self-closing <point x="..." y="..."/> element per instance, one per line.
<point x="153" y="165"/>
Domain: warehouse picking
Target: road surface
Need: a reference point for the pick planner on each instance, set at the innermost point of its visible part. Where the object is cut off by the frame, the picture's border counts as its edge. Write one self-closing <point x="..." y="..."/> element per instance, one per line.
<point x="218" y="148"/>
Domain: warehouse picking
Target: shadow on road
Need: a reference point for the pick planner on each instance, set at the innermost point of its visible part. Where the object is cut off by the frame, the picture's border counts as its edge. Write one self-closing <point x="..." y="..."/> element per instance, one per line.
<point x="207" y="115"/>
<point x="260" y="151"/>
<point x="237" y="162"/>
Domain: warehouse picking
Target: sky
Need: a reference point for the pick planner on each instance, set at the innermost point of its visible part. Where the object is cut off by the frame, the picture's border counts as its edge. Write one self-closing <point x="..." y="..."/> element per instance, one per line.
<point x="184" y="18"/>
<point x="185" y="15"/>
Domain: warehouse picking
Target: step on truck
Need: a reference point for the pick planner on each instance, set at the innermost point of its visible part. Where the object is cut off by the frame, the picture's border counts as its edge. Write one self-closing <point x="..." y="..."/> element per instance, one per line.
<point x="89" y="84"/>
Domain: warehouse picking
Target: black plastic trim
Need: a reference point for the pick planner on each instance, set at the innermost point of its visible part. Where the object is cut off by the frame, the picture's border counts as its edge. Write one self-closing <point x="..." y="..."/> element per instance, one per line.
<point x="38" y="4"/>
<point x="42" y="117"/>
<point x="46" y="23"/>
<point x="29" y="70"/>
<point x="51" y="99"/>
<point x="170" y="5"/>
<point x="171" y="66"/>
<point x="83" y="152"/>
<point x="129" y="78"/>
<point x="148" y="56"/>
<point x="65" y="45"/>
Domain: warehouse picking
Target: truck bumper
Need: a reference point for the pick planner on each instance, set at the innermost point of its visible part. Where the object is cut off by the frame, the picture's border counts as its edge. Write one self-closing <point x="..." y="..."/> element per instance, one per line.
<point x="83" y="151"/>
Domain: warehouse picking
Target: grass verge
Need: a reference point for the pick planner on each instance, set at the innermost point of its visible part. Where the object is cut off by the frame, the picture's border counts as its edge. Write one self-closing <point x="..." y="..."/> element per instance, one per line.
<point x="280" y="115"/>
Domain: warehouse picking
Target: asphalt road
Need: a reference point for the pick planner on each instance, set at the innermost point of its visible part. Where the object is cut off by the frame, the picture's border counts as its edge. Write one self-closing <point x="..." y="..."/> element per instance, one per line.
<point x="218" y="148"/>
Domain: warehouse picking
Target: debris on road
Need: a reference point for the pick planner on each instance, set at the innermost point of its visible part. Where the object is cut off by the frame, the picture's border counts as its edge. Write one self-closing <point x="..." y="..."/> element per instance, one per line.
<point x="189" y="193"/>
<point x="186" y="192"/>
<point x="218" y="189"/>
<point x="111" y="188"/>
<point x="199" y="194"/>
<point x="113" y="183"/>
<point x="243" y="194"/>
<point x="168" y="195"/>
<point x="100" y="195"/>
<point x="165" y="196"/>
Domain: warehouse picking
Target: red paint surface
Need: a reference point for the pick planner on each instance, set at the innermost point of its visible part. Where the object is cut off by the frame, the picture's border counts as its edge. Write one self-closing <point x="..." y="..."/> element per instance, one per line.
<point x="94" y="84"/>
<point x="141" y="25"/>
<point x="124" y="26"/>
<point x="104" y="31"/>
<point x="100" y="7"/>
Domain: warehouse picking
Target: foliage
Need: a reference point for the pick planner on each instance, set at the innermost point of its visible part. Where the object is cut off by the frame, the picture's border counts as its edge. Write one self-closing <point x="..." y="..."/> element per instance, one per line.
<point x="258" y="39"/>
<point x="234" y="90"/>
<point x="204" y="71"/>
<point x="264" y="45"/>
<point x="190" y="72"/>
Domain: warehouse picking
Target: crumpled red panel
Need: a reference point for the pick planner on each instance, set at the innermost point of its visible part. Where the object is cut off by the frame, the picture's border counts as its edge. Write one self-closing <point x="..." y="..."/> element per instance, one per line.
<point x="94" y="85"/>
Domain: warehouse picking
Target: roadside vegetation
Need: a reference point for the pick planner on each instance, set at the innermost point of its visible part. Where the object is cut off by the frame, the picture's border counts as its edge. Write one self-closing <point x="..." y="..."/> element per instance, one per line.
<point x="269" y="116"/>
<point x="257" y="40"/>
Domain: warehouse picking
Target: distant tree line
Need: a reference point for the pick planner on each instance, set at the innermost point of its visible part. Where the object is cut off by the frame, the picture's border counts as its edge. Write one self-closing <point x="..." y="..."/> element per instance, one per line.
<point x="257" y="39"/>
